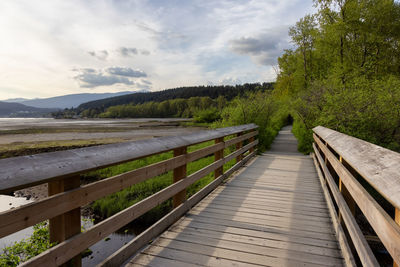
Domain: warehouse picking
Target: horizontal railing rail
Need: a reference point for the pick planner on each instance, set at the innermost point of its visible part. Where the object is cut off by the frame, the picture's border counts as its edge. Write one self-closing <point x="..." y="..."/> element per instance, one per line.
<point x="61" y="171"/>
<point x="351" y="170"/>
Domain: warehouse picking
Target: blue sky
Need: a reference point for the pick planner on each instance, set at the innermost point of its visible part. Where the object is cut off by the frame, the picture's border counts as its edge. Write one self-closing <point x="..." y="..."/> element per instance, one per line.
<point x="52" y="47"/>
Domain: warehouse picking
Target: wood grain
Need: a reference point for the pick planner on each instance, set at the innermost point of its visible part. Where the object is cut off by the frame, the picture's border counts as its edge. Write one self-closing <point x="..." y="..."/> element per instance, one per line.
<point x="377" y="165"/>
<point x="361" y="245"/>
<point x="385" y="227"/>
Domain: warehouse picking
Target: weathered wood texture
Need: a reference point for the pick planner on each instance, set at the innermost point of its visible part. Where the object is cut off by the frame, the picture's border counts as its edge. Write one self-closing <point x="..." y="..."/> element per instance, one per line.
<point x="179" y="174"/>
<point x="36" y="212"/>
<point x="21" y="172"/>
<point x="378" y="167"/>
<point x="67" y="196"/>
<point x="365" y="253"/>
<point x="271" y="213"/>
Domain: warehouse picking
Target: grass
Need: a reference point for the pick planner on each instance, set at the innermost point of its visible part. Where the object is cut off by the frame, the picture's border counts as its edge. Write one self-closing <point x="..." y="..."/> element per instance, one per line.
<point x="29" y="148"/>
<point x="66" y="130"/>
<point x="110" y="205"/>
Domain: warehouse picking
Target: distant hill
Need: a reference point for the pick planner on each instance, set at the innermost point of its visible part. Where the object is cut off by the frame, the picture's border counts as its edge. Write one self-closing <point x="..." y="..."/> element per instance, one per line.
<point x="19" y="110"/>
<point x="213" y="92"/>
<point x="65" y="101"/>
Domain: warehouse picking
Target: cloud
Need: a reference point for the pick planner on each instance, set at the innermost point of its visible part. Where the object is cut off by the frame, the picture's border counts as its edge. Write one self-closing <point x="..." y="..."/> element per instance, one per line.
<point x="230" y="81"/>
<point x="146" y="82"/>
<point x="128" y="72"/>
<point x="101" y="55"/>
<point x="89" y="78"/>
<point x="145" y="52"/>
<point x="263" y="48"/>
<point x="127" y="51"/>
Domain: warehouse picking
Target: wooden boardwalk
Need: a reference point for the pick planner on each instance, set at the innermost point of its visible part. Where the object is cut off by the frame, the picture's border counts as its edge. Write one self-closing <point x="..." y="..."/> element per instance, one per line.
<point x="272" y="213"/>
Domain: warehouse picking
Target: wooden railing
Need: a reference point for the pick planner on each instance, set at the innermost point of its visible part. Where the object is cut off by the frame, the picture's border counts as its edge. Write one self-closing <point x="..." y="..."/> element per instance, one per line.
<point x="353" y="173"/>
<point x="61" y="171"/>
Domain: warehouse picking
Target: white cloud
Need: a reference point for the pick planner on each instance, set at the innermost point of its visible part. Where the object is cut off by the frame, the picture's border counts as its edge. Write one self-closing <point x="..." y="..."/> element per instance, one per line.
<point x="175" y="44"/>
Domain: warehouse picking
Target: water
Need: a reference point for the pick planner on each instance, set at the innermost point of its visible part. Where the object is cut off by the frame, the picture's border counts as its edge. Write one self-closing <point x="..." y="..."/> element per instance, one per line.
<point x="100" y="251"/>
<point x="24" y="123"/>
<point x="104" y="248"/>
<point x="9" y="202"/>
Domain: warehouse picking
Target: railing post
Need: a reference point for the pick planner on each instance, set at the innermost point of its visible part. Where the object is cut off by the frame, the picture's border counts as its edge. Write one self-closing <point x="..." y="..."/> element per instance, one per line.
<point x="68" y="224"/>
<point x="239" y="146"/>
<point x="217" y="156"/>
<point x="179" y="173"/>
<point x="397" y="220"/>
<point x="251" y="140"/>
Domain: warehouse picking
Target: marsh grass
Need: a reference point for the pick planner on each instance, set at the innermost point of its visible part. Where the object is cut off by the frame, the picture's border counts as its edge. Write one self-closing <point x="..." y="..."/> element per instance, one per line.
<point x="110" y="205"/>
<point x="30" y="148"/>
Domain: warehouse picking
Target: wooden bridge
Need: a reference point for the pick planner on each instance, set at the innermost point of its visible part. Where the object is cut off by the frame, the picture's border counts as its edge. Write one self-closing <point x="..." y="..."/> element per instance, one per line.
<point x="281" y="209"/>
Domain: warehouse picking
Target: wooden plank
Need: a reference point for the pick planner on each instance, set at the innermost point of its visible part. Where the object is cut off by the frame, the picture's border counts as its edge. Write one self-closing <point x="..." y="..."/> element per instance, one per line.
<point x="377" y="165"/>
<point x="240" y="151"/>
<point x="275" y="202"/>
<point x="240" y="138"/>
<point x="257" y="231"/>
<point x="228" y="254"/>
<point x="397" y="220"/>
<point x="384" y="226"/>
<point x="263" y="227"/>
<point x="33" y="213"/>
<point x="217" y="156"/>
<point x="238" y="147"/>
<point x="256" y="211"/>
<point x="255" y="240"/>
<point x="346" y="196"/>
<point x="154" y="261"/>
<point x="268" y="208"/>
<point x="121" y="255"/>
<point x="278" y="222"/>
<point x="250" y="248"/>
<point x="25" y="171"/>
<point x="343" y="243"/>
<point x="261" y="217"/>
<point x="63" y="252"/>
<point x="285" y="197"/>
<point x="260" y="190"/>
<point x="193" y="258"/>
<point x="179" y="174"/>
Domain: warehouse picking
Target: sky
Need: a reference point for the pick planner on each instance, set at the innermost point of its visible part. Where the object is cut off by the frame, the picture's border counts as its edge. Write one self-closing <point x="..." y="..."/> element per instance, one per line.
<point x="57" y="47"/>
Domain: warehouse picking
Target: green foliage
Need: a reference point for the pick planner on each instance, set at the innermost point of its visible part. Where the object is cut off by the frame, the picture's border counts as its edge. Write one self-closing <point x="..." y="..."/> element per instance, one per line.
<point x="344" y="71"/>
<point x="130" y="105"/>
<point x="207" y="115"/>
<point x="27" y="248"/>
<point x="259" y="108"/>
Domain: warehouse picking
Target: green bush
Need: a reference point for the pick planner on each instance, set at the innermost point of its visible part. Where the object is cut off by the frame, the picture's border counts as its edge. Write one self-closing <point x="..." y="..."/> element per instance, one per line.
<point x="27" y="248"/>
<point x="207" y="115"/>
<point x="259" y="108"/>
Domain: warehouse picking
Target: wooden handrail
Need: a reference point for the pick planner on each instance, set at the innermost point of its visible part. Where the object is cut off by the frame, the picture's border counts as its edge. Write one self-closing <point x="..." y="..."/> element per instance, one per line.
<point x="60" y="205"/>
<point x="349" y="157"/>
<point x="40" y="168"/>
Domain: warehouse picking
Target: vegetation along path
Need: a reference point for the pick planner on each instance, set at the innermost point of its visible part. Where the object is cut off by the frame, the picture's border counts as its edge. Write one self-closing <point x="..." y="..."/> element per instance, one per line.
<point x="271" y="213"/>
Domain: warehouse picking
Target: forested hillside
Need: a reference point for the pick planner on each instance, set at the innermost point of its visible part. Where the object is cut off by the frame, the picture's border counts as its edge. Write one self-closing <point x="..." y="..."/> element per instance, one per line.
<point x="95" y="108"/>
<point x="344" y="71"/>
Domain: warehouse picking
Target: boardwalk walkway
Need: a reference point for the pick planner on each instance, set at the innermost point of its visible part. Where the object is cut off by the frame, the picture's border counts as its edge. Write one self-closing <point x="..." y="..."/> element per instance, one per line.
<point x="273" y="213"/>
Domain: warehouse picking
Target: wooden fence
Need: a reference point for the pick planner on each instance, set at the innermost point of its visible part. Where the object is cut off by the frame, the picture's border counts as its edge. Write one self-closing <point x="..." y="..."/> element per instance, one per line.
<point x="354" y="175"/>
<point x="61" y="170"/>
